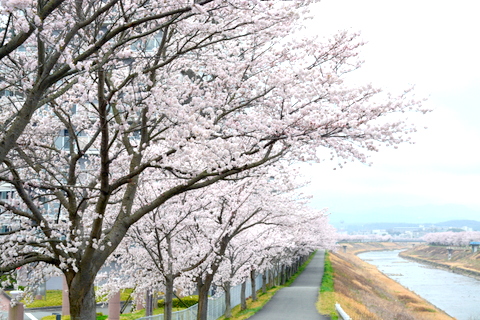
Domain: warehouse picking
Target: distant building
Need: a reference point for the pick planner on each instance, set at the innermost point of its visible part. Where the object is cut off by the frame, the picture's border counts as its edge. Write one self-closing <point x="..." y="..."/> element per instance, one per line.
<point x="380" y="232"/>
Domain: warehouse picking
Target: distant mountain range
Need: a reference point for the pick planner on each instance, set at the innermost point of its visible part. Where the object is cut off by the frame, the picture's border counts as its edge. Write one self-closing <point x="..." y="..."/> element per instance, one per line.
<point x="475" y="225"/>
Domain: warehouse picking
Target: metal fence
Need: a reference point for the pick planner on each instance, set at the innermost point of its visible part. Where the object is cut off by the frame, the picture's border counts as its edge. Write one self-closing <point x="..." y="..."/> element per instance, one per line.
<point x="216" y="304"/>
<point x="187" y="314"/>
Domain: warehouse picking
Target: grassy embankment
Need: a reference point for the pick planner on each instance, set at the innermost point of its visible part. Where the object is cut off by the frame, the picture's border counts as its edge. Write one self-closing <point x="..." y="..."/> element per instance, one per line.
<point x="366" y="293"/>
<point x="460" y="259"/>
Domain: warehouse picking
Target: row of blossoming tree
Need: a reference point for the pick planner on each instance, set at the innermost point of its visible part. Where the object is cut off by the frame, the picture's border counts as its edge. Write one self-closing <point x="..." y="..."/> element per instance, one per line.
<point x="363" y="237"/>
<point x="114" y="113"/>
<point x="451" y="238"/>
<point x="219" y="235"/>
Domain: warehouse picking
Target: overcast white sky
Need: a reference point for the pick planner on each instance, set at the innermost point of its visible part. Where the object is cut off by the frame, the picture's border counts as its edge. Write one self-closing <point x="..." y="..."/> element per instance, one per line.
<point x="434" y="45"/>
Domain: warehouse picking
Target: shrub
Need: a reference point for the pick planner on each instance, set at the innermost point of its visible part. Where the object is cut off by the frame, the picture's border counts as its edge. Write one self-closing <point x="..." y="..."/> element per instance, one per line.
<point x="184" y="302"/>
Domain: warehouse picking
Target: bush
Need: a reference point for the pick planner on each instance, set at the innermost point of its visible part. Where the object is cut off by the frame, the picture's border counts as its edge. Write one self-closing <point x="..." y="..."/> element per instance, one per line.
<point x="185" y="302"/>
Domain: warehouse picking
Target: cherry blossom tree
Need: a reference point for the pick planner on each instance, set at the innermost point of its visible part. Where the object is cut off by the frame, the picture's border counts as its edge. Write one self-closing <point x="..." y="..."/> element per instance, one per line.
<point x="184" y="240"/>
<point x="109" y="100"/>
<point x="286" y="246"/>
<point x="47" y="44"/>
<point x="215" y="234"/>
<point x="260" y="249"/>
<point x="450" y="238"/>
<point x="159" y="254"/>
<point x="240" y="206"/>
<point x="363" y="237"/>
<point x="236" y="265"/>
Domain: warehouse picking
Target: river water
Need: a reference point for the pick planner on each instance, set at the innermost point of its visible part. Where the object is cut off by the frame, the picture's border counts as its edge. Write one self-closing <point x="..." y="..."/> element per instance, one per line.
<point x="457" y="295"/>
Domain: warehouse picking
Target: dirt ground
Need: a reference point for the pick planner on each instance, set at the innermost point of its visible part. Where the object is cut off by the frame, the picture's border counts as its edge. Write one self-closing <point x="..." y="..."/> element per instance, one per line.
<point x="366" y="293"/>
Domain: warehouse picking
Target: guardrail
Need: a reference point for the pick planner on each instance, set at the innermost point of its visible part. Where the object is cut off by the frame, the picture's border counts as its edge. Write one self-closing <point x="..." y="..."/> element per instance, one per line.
<point x="342" y="313"/>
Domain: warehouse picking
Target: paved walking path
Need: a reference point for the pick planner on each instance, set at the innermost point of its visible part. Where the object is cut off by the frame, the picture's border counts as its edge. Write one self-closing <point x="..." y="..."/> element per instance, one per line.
<point x="297" y="302"/>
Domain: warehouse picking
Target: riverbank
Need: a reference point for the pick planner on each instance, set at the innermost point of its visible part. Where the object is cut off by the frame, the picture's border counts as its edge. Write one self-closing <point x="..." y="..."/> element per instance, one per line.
<point x="461" y="261"/>
<point x="366" y="293"/>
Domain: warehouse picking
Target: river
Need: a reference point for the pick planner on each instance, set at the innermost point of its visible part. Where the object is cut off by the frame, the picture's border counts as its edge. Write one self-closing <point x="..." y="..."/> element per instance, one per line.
<point x="457" y="295"/>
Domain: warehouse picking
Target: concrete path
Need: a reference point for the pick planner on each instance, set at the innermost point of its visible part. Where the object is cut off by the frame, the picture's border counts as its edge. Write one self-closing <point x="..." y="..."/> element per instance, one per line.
<point x="297" y="302"/>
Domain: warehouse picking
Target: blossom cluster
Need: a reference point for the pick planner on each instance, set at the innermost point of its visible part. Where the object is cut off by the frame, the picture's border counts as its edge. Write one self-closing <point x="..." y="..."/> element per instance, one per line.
<point x="363" y="237"/>
<point x="450" y="238"/>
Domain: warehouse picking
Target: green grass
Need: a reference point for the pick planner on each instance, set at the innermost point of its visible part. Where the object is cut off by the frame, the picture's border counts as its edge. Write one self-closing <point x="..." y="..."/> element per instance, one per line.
<point x="327" y="280"/>
<point x="141" y="313"/>
<point x="326" y="304"/>
<point x="100" y="316"/>
<point x="126" y="316"/>
<point x="54" y="298"/>
<point x="185" y="302"/>
<point x="252" y="306"/>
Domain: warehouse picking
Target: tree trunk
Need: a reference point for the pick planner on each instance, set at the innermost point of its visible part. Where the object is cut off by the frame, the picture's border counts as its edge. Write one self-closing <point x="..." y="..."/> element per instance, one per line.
<point x="264" y="281"/>
<point x="82" y="301"/>
<point x="139" y="302"/>
<point x="81" y="294"/>
<point x="282" y="275"/>
<point x="228" y="300"/>
<point x="276" y="276"/>
<point x="271" y="275"/>
<point x="243" y="297"/>
<point x="253" y="284"/>
<point x="203" y="286"/>
<point x="148" y="304"/>
<point x="168" y="297"/>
